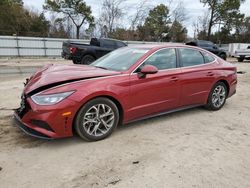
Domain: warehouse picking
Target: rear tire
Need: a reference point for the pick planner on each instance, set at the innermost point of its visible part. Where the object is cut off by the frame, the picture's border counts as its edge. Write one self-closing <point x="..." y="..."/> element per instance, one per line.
<point x="217" y="97"/>
<point x="87" y="59"/>
<point x="97" y="119"/>
<point x="241" y="59"/>
<point x="223" y="56"/>
<point x="75" y="62"/>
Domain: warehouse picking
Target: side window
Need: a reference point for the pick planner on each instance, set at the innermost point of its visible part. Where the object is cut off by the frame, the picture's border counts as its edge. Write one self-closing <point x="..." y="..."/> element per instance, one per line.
<point x="206" y="44"/>
<point x="215" y="47"/>
<point x="119" y="44"/>
<point x="208" y="58"/>
<point x="202" y="44"/>
<point x="163" y="59"/>
<point x="190" y="57"/>
<point x="109" y="44"/>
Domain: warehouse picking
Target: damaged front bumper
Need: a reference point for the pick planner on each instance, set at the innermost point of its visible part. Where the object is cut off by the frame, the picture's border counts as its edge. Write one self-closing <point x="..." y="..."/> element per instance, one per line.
<point x="46" y="122"/>
<point x="24" y="127"/>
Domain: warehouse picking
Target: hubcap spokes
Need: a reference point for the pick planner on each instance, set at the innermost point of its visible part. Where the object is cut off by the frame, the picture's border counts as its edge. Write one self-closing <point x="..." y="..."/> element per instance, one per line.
<point x="219" y="96"/>
<point x="98" y="120"/>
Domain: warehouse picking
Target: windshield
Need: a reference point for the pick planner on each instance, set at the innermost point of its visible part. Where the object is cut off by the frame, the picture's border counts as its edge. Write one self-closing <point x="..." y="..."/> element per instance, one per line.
<point x="121" y="59"/>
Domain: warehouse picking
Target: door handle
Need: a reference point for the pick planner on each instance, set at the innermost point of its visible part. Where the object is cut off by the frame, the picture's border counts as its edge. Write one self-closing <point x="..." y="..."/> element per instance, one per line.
<point x="174" y="79"/>
<point x="210" y="73"/>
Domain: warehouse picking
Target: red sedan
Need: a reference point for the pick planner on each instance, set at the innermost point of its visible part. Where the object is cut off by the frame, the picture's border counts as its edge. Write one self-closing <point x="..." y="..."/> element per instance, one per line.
<point x="126" y="85"/>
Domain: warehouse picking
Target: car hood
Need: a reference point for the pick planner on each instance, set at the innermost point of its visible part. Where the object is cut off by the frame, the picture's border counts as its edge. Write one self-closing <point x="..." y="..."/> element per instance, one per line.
<point x="54" y="75"/>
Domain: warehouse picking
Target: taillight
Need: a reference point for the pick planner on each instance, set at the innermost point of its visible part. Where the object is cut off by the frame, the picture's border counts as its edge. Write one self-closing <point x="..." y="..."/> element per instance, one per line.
<point x="73" y="50"/>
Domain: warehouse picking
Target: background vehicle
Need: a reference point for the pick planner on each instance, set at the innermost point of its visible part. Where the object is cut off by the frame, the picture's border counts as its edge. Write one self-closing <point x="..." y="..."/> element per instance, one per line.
<point x="125" y="85"/>
<point x="243" y="54"/>
<point x="207" y="45"/>
<point x="87" y="53"/>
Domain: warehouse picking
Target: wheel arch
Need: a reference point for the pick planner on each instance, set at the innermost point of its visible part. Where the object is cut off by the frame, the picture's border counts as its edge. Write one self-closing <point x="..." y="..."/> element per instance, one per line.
<point x="88" y="53"/>
<point x="221" y="54"/>
<point x="226" y="83"/>
<point x="224" y="53"/>
<point x="113" y="99"/>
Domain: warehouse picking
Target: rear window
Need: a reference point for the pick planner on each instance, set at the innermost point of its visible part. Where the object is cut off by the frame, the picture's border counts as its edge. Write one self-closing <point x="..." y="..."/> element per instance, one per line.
<point x="191" y="57"/>
<point x="109" y="44"/>
<point x="208" y="58"/>
<point x="120" y="44"/>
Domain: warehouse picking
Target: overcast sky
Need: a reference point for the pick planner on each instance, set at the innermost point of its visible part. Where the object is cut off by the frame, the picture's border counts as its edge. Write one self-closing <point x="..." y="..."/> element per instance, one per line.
<point x="193" y="7"/>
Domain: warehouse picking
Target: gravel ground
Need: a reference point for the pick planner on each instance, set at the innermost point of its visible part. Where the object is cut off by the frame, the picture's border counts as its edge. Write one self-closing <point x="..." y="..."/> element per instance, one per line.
<point x="192" y="148"/>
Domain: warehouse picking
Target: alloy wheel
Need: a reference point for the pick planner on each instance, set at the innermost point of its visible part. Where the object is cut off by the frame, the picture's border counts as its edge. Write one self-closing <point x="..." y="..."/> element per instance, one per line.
<point x="98" y="120"/>
<point x="218" y="96"/>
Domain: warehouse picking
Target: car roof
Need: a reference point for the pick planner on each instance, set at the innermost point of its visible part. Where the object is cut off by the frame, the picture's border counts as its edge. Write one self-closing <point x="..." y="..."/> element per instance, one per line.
<point x="111" y="39"/>
<point x="159" y="46"/>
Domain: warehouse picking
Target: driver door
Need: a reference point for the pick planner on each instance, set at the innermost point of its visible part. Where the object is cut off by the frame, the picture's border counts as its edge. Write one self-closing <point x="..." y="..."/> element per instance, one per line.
<point x="157" y="92"/>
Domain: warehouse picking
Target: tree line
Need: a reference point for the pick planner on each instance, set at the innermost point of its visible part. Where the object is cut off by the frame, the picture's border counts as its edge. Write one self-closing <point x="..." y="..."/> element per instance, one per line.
<point x="221" y="23"/>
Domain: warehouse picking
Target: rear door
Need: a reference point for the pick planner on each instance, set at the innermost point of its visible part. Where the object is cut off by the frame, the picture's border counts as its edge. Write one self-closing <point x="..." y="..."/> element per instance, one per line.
<point x="156" y="92"/>
<point x="197" y="76"/>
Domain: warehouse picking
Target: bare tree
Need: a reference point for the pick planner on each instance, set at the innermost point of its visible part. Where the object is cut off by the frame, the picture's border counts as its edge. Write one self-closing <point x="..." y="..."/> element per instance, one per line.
<point x="111" y="13"/>
<point x="204" y="21"/>
<point x="179" y="13"/>
<point x="69" y="27"/>
<point x="57" y="28"/>
<point x="101" y="28"/>
<point x="140" y="15"/>
<point x="169" y="3"/>
<point x="201" y="26"/>
<point x="195" y="28"/>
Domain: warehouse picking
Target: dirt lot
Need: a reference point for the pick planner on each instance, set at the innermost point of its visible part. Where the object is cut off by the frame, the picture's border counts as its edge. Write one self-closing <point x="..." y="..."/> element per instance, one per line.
<point x="193" y="148"/>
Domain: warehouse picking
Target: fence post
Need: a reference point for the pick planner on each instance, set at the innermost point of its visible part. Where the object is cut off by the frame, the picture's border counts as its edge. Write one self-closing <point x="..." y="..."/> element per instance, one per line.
<point x="17" y="46"/>
<point x="44" y="46"/>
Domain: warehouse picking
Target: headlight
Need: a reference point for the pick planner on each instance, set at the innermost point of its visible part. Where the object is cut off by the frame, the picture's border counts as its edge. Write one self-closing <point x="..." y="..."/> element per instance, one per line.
<point x="51" y="98"/>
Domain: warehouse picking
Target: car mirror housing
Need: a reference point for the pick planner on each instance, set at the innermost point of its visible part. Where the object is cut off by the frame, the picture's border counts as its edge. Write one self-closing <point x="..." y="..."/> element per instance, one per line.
<point x="147" y="69"/>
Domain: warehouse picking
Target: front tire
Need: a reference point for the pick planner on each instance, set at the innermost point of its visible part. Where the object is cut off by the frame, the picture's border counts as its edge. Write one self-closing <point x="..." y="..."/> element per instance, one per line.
<point x="97" y="119"/>
<point x="217" y="97"/>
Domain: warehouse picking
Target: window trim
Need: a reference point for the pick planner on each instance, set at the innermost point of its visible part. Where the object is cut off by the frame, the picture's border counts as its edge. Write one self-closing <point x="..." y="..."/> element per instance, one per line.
<point x="179" y="64"/>
<point x="177" y="60"/>
<point x="201" y="53"/>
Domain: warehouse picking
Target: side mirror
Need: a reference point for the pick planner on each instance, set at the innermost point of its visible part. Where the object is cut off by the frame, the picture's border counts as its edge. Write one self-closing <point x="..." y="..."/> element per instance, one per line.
<point x="215" y="47"/>
<point x="147" y="69"/>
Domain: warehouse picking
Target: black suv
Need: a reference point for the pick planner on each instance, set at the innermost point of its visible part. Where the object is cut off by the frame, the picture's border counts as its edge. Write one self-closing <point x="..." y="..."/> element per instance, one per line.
<point x="207" y="45"/>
